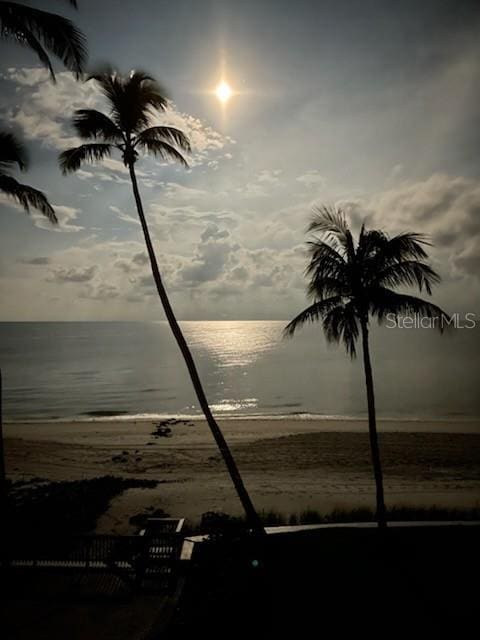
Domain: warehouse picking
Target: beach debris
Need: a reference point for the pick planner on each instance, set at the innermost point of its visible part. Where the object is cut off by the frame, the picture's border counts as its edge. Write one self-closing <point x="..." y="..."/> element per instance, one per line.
<point x="163" y="429"/>
<point x="120" y="458"/>
<point x="125" y="456"/>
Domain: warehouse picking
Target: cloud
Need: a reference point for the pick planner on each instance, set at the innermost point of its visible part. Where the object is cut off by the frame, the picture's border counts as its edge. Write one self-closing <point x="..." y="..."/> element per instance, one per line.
<point x="467" y="261"/>
<point x="140" y="259"/>
<point x="269" y="176"/>
<point x="101" y="291"/>
<point x="181" y="193"/>
<point x="446" y="208"/>
<point x="72" y="274"/>
<point x="214" y="254"/>
<point x="64" y="214"/>
<point x="204" y="139"/>
<point x="311" y="178"/>
<point x="43" y="111"/>
<point x="124" y="216"/>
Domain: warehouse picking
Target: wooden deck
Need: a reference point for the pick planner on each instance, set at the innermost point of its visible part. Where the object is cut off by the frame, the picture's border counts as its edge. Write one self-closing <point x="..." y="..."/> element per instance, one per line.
<point x="151" y="557"/>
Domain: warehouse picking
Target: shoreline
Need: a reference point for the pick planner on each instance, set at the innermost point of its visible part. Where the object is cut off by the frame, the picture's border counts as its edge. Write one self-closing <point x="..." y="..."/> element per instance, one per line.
<point x="107" y="416"/>
<point x="257" y="426"/>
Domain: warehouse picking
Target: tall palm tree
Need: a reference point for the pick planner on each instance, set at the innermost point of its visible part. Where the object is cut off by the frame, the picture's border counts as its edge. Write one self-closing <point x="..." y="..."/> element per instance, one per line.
<point x="45" y="33"/>
<point x="12" y="153"/>
<point x="349" y="282"/>
<point x="128" y="128"/>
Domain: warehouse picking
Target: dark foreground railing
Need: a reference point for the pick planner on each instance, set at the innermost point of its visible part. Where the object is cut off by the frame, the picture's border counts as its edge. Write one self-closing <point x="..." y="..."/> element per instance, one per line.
<point x="152" y="555"/>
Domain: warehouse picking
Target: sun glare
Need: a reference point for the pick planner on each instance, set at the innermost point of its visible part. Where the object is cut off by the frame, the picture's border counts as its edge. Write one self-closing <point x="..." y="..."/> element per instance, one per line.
<point x="223" y="92"/>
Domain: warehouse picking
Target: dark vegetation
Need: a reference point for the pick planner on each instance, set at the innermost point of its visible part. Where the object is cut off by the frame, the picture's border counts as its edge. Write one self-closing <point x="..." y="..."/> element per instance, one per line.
<point x="63" y="507"/>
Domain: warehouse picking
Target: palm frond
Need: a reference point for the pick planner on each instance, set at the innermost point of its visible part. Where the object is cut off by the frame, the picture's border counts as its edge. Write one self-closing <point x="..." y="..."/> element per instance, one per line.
<point x="44" y="32"/>
<point x="133" y="98"/>
<point x="404" y="246"/>
<point x="72" y="159"/>
<point x="370" y="242"/>
<point x="320" y="288"/>
<point x="312" y="313"/>
<point x="332" y="222"/>
<point x="163" y="150"/>
<point x="27" y="196"/>
<point x="340" y="324"/>
<point x="171" y="135"/>
<point x="90" y="123"/>
<point x="325" y="261"/>
<point x="384" y="303"/>
<point x="408" y="273"/>
<point x="328" y="219"/>
<point x="11" y="152"/>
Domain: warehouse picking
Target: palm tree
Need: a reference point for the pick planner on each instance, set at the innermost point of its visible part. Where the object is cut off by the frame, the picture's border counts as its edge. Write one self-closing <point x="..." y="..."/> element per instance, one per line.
<point x="128" y="129"/>
<point x="350" y="282"/>
<point x="42" y="32"/>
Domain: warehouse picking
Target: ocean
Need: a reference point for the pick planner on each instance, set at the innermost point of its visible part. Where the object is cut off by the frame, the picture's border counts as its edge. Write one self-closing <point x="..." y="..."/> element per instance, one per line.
<point x="82" y="370"/>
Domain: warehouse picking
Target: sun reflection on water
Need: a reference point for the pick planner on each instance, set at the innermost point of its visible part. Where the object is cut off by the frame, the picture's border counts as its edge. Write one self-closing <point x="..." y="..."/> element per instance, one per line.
<point x="234" y="343"/>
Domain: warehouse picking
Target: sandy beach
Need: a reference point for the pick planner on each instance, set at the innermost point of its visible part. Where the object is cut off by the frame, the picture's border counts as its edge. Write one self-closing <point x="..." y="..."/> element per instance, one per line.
<point x="289" y="465"/>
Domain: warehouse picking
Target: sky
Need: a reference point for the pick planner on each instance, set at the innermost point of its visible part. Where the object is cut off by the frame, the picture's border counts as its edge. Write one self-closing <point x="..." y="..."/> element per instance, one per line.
<point x="370" y="105"/>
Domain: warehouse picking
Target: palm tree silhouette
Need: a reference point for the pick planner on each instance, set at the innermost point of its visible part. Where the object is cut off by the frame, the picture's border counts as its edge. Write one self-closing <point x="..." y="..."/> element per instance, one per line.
<point x="350" y="282"/>
<point x="128" y="128"/>
<point x="42" y="32"/>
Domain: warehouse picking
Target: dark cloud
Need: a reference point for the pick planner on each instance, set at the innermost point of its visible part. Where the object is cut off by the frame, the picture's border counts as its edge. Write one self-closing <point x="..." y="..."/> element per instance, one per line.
<point x="140" y="259"/>
<point x="41" y="260"/>
<point x="214" y="254"/>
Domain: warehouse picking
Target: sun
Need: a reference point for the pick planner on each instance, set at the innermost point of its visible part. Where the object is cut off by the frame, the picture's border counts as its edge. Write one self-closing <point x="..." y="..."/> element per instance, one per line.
<point x="223" y="92"/>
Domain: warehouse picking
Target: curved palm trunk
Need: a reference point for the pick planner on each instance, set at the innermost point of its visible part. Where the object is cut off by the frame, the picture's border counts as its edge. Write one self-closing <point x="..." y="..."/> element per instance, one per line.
<point x="252" y="516"/>
<point x="372" y="429"/>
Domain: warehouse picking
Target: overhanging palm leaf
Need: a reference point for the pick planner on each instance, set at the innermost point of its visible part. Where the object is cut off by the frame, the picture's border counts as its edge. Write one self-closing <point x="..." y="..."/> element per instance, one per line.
<point x="27" y="197"/>
<point x="44" y="33"/>
<point x="12" y="153"/>
<point x="349" y="283"/>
